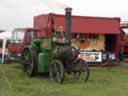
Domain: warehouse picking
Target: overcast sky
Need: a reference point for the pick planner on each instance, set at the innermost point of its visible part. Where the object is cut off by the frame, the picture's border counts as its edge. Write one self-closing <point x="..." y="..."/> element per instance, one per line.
<point x="19" y="13"/>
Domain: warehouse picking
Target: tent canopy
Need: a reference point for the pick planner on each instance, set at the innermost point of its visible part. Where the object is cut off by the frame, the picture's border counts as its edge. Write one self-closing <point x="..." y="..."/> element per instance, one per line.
<point x="6" y="35"/>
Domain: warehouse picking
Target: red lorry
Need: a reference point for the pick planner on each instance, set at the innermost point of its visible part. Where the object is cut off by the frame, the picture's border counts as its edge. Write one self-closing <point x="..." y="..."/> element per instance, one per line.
<point x="98" y="38"/>
<point x="20" y="38"/>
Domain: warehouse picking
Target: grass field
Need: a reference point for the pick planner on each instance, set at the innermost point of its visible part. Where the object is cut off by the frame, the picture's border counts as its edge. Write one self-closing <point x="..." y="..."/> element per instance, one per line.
<point x="111" y="81"/>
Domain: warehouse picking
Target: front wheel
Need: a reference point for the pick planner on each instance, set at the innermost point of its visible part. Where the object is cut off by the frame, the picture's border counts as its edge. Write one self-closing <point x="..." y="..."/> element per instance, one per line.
<point x="56" y="71"/>
<point x="81" y="70"/>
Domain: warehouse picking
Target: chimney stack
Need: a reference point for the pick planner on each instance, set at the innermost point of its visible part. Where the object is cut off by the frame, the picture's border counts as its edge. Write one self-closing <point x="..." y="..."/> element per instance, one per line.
<point x="68" y="13"/>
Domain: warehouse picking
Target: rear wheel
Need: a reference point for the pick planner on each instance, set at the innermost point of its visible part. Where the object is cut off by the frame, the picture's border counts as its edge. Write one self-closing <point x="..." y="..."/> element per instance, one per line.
<point x="56" y="71"/>
<point x="30" y="61"/>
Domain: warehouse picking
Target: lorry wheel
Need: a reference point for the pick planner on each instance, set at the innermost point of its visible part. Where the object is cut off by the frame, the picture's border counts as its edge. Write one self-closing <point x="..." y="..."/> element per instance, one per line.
<point x="81" y="70"/>
<point x="30" y="61"/>
<point x="56" y="71"/>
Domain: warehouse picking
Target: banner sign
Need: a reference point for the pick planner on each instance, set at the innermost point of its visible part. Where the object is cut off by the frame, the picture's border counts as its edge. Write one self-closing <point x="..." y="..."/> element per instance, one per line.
<point x="91" y="56"/>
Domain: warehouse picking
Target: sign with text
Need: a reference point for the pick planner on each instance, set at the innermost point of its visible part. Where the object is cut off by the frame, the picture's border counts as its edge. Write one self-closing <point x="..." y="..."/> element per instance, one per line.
<point x="91" y="56"/>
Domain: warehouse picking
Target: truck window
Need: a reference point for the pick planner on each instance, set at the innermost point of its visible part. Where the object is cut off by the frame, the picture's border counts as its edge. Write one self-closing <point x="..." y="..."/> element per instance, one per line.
<point x="17" y="36"/>
<point x="34" y="34"/>
<point x="31" y="35"/>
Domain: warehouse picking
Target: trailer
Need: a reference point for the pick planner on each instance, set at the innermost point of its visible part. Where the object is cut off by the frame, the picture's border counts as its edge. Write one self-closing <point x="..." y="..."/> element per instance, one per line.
<point x="98" y="38"/>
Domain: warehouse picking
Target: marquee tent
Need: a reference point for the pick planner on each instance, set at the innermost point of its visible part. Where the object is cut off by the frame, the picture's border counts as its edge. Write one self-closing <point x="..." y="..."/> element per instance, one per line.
<point x="4" y="36"/>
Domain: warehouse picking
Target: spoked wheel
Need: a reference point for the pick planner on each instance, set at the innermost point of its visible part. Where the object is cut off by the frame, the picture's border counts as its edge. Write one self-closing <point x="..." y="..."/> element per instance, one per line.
<point x="77" y="72"/>
<point x="56" y="71"/>
<point x="81" y="70"/>
<point x="30" y="61"/>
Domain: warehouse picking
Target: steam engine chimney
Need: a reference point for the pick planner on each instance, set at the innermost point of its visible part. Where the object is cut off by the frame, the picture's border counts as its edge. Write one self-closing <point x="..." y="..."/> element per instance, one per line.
<point x="68" y="12"/>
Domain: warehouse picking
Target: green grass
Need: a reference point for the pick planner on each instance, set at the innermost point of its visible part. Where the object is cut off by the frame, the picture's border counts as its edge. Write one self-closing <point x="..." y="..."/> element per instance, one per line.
<point x="111" y="81"/>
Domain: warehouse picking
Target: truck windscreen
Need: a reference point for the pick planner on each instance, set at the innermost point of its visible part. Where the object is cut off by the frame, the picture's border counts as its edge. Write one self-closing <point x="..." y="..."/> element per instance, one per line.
<point x="17" y="36"/>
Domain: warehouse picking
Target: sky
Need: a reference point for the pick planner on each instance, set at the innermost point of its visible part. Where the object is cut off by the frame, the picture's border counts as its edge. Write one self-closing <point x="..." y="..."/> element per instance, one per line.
<point x="20" y="13"/>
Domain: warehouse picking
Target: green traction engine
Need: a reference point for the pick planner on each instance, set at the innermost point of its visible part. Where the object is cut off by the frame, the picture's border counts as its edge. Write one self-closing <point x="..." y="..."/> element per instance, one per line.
<point x="55" y="56"/>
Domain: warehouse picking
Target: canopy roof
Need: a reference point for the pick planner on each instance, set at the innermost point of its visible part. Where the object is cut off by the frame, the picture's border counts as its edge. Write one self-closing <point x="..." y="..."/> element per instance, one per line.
<point x="6" y="35"/>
